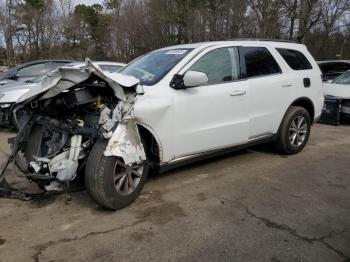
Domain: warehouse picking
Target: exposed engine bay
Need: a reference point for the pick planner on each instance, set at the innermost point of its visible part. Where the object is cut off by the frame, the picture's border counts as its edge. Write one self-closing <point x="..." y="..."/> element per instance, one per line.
<point x="59" y="122"/>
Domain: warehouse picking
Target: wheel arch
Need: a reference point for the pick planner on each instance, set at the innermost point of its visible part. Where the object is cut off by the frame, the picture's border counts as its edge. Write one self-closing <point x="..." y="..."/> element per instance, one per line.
<point x="303" y="102"/>
<point x="153" y="143"/>
<point x="306" y="103"/>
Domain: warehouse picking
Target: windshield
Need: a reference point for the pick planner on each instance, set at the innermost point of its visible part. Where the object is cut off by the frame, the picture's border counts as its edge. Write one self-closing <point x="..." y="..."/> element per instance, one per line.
<point x="343" y="79"/>
<point x="152" y="67"/>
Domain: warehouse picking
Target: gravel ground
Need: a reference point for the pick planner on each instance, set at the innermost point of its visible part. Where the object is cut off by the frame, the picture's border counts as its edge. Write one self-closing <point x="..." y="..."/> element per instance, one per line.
<point x="253" y="205"/>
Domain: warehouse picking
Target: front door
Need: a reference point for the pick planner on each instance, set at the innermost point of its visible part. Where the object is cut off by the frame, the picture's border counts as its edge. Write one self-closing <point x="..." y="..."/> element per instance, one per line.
<point x="212" y="116"/>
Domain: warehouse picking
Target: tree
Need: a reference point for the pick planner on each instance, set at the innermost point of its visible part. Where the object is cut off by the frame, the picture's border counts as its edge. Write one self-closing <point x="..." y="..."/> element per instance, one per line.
<point x="122" y="30"/>
<point x="309" y="16"/>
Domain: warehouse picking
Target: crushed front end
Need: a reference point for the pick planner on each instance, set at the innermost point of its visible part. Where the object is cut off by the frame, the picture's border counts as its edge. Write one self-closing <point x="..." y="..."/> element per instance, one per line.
<point x="60" y="121"/>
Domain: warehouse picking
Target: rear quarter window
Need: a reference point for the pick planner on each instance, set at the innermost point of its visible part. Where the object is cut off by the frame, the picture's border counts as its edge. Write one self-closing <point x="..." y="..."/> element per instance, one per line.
<point x="295" y="59"/>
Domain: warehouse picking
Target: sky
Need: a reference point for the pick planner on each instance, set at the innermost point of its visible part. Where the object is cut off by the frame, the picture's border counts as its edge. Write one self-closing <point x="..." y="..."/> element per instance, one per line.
<point x="88" y="2"/>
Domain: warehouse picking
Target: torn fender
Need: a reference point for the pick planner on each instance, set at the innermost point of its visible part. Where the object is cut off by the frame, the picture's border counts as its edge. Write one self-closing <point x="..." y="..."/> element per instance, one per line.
<point x="126" y="143"/>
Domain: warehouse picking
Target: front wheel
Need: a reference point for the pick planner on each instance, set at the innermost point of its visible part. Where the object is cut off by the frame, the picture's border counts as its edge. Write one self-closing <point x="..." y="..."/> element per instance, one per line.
<point x="110" y="182"/>
<point x="294" y="131"/>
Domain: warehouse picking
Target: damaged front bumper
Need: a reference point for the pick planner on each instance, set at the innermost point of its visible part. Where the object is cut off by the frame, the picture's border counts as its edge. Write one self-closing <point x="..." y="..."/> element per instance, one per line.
<point x="68" y="112"/>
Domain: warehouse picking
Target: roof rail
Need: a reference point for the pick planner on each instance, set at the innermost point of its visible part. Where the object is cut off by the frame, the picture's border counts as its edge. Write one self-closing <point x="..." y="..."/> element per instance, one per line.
<point x="262" y="39"/>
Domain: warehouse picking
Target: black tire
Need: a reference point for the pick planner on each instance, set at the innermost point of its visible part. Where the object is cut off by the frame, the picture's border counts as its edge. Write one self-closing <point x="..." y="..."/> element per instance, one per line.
<point x="284" y="144"/>
<point x="99" y="182"/>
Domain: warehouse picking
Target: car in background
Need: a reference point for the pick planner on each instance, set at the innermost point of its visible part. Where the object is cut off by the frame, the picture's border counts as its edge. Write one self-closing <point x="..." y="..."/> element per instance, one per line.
<point x="30" y="70"/>
<point x="11" y="91"/>
<point x="339" y="89"/>
<point x="333" y="68"/>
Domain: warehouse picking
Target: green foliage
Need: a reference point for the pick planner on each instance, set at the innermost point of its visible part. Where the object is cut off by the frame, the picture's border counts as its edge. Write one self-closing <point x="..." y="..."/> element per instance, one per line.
<point x="95" y="22"/>
<point x="113" y="5"/>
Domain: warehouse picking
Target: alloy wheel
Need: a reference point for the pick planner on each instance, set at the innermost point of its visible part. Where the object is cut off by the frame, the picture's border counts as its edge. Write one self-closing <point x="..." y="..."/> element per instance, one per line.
<point x="126" y="178"/>
<point x="298" y="131"/>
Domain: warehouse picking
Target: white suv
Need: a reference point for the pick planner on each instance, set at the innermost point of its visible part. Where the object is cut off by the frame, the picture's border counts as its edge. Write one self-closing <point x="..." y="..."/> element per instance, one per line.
<point x="197" y="100"/>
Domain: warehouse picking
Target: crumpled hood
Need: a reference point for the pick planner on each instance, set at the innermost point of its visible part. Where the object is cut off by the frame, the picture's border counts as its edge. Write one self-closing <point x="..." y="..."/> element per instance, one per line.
<point x="63" y="78"/>
<point x="336" y="90"/>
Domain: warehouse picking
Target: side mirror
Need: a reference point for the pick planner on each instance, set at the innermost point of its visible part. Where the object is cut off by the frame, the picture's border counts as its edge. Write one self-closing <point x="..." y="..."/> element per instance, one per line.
<point x="195" y="78"/>
<point x="189" y="79"/>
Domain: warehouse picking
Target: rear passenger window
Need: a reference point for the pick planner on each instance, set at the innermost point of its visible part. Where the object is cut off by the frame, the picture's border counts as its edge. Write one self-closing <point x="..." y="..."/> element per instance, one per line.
<point x="259" y="62"/>
<point x="295" y="59"/>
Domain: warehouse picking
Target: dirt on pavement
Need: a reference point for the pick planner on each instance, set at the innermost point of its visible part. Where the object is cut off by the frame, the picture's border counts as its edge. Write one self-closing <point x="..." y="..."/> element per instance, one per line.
<point x="252" y="205"/>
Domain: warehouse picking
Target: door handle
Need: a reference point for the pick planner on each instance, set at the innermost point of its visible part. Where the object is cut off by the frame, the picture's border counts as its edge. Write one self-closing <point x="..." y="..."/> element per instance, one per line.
<point x="287" y="85"/>
<point x="238" y="93"/>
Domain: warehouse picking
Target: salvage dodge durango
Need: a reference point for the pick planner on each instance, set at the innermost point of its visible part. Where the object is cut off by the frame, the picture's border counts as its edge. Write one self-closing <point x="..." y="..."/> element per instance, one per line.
<point x="167" y="108"/>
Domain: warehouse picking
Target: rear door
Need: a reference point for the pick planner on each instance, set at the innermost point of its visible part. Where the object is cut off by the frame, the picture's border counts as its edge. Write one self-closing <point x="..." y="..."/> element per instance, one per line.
<point x="269" y="89"/>
<point x="304" y="74"/>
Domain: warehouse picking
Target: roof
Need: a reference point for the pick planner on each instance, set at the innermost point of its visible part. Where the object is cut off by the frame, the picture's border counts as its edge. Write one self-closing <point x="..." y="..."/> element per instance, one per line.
<point x="45" y="60"/>
<point x="265" y="42"/>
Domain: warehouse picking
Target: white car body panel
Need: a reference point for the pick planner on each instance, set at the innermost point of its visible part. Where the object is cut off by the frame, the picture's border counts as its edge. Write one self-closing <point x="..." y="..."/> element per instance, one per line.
<point x="196" y="120"/>
<point x="214" y="118"/>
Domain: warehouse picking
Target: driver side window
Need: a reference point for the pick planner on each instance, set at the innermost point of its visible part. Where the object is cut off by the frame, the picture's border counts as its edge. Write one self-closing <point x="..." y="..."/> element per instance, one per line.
<point x="220" y="65"/>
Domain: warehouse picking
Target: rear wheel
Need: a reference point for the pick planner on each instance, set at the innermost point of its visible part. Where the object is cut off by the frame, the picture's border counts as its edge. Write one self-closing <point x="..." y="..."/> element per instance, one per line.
<point x="294" y="131"/>
<point x="110" y="182"/>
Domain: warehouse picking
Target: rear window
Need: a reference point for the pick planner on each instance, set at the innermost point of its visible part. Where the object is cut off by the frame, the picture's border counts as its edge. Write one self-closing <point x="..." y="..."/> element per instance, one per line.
<point x="295" y="59"/>
<point x="259" y="62"/>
